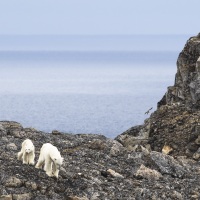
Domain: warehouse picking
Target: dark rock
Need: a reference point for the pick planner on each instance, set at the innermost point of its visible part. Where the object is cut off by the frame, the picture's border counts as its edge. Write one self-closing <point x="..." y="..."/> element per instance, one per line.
<point x="11" y="147"/>
<point x="196" y="155"/>
<point x="26" y="196"/>
<point x="147" y="173"/>
<point x="6" y="197"/>
<point x="13" y="182"/>
<point x="97" y="144"/>
<point x="95" y="167"/>
<point x="197" y="141"/>
<point x="55" y="132"/>
<point x="134" y="136"/>
<point x="168" y="165"/>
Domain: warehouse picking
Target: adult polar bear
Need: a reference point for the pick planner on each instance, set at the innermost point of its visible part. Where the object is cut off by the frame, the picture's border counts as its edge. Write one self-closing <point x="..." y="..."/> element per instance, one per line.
<point x="51" y="158"/>
<point x="27" y="153"/>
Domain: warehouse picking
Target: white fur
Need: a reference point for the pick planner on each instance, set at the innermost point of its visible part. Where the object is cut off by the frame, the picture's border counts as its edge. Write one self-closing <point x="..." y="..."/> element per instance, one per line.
<point x="27" y="153"/>
<point x="51" y="158"/>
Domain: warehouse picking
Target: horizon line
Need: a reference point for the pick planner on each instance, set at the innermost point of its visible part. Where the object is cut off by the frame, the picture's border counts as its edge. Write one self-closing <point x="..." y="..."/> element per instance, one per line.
<point x="86" y="35"/>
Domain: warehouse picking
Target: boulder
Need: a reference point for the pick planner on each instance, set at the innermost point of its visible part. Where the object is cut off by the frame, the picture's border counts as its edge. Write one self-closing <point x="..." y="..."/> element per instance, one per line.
<point x="168" y="165"/>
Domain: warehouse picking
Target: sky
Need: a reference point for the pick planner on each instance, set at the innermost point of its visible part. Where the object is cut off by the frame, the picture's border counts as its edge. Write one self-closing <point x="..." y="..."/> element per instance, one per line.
<point x="99" y="17"/>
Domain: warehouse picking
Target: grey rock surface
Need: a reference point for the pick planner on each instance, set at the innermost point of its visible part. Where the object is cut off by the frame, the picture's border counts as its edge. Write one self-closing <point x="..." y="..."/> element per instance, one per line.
<point x="186" y="88"/>
<point x="95" y="167"/>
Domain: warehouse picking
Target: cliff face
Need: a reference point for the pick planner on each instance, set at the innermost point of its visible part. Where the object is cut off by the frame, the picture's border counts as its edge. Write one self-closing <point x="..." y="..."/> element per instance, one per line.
<point x="176" y="121"/>
<point x="186" y="89"/>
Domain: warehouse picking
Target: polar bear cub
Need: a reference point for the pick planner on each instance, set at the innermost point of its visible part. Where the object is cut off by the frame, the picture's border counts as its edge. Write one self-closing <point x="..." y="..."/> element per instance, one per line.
<point x="51" y="158"/>
<point x="27" y="153"/>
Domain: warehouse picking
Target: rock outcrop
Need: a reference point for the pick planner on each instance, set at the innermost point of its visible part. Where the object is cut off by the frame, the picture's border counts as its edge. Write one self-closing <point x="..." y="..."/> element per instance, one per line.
<point x="94" y="168"/>
<point x="186" y="89"/>
<point x="176" y="122"/>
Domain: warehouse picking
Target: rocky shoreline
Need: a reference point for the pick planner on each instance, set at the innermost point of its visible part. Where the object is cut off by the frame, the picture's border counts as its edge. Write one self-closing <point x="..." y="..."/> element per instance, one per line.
<point x="156" y="160"/>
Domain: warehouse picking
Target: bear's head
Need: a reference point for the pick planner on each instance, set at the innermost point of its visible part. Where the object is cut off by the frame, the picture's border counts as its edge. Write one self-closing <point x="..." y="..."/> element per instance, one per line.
<point x="29" y="149"/>
<point x="57" y="162"/>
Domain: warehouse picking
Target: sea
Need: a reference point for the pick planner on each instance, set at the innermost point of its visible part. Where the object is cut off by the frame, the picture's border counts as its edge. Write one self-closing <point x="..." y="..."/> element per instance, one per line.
<point x="100" y="84"/>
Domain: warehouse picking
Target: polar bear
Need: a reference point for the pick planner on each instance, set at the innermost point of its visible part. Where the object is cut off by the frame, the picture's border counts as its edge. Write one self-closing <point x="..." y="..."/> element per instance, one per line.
<point x="27" y="153"/>
<point x="51" y="158"/>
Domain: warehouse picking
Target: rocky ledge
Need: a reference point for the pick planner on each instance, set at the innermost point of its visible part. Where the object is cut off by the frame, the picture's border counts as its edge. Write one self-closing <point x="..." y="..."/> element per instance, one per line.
<point x="95" y="167"/>
<point x="157" y="160"/>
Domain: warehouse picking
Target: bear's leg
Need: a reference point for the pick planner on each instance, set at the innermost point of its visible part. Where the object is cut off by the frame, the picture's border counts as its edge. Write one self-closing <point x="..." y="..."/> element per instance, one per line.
<point x="40" y="163"/>
<point x="55" y="170"/>
<point x="47" y="164"/>
<point x="19" y="155"/>
<point x="25" y="158"/>
<point x="31" y="158"/>
<point x="48" y="167"/>
<point x="56" y="173"/>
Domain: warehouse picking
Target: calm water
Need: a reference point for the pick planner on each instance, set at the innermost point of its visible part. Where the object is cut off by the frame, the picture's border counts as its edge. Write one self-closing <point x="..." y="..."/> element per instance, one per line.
<point x="77" y="91"/>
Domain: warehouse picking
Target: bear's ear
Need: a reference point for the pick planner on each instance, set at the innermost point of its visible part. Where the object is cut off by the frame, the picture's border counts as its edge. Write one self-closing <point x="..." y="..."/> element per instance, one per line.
<point x="62" y="159"/>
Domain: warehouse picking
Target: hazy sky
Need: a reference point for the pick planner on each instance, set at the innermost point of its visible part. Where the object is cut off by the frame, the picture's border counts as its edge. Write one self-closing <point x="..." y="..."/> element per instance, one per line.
<point x="99" y="17"/>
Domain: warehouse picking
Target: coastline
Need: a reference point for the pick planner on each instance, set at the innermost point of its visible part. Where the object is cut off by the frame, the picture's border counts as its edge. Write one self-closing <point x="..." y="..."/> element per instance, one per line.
<point x="157" y="160"/>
